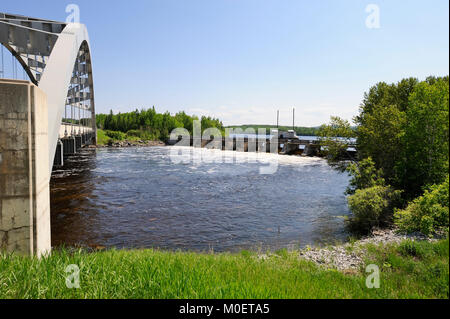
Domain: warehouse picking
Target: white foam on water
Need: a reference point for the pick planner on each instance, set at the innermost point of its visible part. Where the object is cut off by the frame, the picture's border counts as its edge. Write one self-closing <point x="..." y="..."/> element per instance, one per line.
<point x="206" y="156"/>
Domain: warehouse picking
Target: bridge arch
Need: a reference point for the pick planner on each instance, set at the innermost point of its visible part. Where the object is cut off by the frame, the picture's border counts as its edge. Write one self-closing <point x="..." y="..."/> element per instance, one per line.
<point x="56" y="57"/>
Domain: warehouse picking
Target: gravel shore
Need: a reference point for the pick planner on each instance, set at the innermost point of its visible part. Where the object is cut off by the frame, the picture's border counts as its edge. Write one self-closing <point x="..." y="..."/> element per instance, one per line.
<point x="350" y="256"/>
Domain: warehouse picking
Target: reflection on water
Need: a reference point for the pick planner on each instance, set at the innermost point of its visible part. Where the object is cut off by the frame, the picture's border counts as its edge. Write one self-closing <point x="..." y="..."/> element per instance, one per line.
<point x="137" y="197"/>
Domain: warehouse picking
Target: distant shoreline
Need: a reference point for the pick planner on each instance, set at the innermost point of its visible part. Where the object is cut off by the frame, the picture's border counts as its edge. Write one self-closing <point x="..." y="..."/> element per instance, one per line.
<point x="126" y="144"/>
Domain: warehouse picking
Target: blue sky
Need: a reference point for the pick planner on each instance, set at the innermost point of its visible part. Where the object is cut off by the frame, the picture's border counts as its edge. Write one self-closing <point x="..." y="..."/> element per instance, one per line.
<point x="241" y="60"/>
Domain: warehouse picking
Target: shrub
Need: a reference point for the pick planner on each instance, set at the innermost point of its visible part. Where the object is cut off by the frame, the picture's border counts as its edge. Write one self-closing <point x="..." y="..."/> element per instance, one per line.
<point x="135" y="133"/>
<point x="372" y="207"/>
<point x="102" y="138"/>
<point x="143" y="134"/>
<point x="335" y="138"/>
<point x="364" y="175"/>
<point x="116" y="135"/>
<point x="428" y="213"/>
<point x="412" y="248"/>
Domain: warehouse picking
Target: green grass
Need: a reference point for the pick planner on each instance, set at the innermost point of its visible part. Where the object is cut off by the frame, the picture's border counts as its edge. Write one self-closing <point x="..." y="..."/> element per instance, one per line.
<point x="409" y="270"/>
<point x="102" y="138"/>
<point x="421" y="266"/>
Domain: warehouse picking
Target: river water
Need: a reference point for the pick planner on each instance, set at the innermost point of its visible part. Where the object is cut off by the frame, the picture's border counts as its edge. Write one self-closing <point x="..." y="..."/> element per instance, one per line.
<point x="150" y="198"/>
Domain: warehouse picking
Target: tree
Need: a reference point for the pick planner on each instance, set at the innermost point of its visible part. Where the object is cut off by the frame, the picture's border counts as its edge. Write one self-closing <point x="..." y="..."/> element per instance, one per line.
<point x="364" y="175"/>
<point x="336" y="137"/>
<point x="404" y="128"/>
<point x="150" y="124"/>
<point x="403" y="147"/>
<point x="380" y="137"/>
<point x="426" y="136"/>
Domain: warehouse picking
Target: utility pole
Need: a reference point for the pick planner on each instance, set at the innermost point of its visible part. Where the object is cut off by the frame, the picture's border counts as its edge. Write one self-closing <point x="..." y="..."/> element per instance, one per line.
<point x="278" y="118"/>
<point x="293" y="119"/>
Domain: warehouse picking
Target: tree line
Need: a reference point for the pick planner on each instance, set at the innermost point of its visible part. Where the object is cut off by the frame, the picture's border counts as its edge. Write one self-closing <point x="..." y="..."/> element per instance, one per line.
<point x="150" y="124"/>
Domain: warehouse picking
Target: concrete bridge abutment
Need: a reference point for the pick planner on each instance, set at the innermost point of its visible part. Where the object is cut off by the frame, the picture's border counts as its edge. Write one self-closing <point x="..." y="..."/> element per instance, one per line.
<point x="24" y="174"/>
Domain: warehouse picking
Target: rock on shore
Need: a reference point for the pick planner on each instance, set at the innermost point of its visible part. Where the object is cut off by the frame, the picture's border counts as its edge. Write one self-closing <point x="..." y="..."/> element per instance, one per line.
<point x="350" y="256"/>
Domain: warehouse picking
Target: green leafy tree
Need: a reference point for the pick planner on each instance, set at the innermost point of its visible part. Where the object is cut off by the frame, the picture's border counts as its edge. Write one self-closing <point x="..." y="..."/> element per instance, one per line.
<point x="426" y="137"/>
<point x="403" y="141"/>
<point x="148" y="124"/>
<point x="364" y="175"/>
<point x="380" y="137"/>
<point x="404" y="128"/>
<point x="336" y="137"/>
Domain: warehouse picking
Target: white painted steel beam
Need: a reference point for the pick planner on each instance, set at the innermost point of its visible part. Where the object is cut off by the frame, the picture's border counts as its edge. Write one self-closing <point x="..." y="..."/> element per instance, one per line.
<point x="50" y="52"/>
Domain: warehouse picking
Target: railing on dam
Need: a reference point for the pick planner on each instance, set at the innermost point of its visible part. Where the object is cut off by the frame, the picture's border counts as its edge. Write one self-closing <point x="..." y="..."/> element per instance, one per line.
<point x="286" y="146"/>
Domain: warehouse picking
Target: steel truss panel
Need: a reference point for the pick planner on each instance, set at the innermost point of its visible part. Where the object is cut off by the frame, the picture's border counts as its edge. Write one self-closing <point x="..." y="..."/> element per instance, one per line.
<point x="56" y="57"/>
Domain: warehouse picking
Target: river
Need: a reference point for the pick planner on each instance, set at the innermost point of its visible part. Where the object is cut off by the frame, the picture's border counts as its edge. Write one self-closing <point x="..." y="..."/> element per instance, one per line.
<point x="143" y="198"/>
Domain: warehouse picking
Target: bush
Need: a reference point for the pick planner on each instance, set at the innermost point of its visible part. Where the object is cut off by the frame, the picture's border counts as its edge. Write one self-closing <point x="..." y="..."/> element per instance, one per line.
<point x="372" y="207"/>
<point x="335" y="138"/>
<point x="364" y="175"/>
<point x="116" y="135"/>
<point x="102" y="138"/>
<point x="414" y="249"/>
<point x="428" y="213"/>
<point x="135" y="133"/>
<point x="143" y="134"/>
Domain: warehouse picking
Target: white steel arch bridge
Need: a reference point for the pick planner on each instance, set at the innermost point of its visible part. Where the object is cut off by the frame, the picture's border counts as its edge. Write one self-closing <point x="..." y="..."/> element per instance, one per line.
<point x="50" y="113"/>
<point x="56" y="57"/>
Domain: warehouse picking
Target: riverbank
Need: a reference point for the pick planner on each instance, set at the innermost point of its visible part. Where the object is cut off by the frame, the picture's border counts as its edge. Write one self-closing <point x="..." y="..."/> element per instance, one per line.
<point x="352" y="255"/>
<point x="408" y="269"/>
<point x="127" y="143"/>
<point x="103" y="140"/>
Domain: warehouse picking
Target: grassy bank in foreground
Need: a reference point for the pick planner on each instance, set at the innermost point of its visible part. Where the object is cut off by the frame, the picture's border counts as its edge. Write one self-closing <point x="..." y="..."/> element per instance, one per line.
<point x="408" y="270"/>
